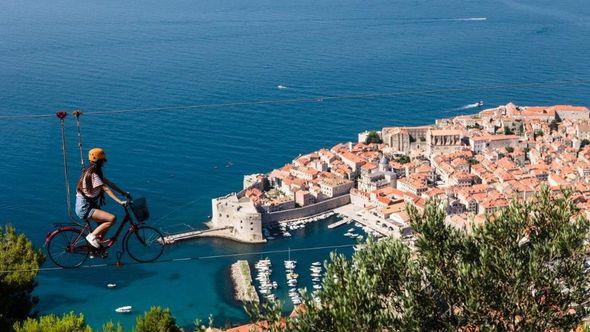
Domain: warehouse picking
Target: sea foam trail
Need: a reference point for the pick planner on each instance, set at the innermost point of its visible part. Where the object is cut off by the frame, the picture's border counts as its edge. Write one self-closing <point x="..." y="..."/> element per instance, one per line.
<point x="468" y="106"/>
<point x="466" y="19"/>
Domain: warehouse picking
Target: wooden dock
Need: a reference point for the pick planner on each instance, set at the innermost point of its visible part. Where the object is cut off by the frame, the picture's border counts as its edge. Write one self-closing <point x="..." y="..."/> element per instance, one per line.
<point x="339" y="223"/>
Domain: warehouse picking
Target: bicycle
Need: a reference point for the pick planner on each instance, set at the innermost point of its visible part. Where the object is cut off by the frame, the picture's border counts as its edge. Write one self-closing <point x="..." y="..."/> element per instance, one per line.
<point x="67" y="246"/>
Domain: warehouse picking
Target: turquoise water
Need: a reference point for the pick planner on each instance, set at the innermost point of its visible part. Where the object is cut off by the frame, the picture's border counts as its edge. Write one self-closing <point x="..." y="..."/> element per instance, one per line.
<point x="112" y="55"/>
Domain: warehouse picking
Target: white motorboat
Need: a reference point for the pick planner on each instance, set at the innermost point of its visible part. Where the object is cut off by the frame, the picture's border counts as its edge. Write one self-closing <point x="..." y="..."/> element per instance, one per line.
<point x="111" y="285"/>
<point x="316" y="286"/>
<point x="281" y="87"/>
<point x="316" y="264"/>
<point x="124" y="309"/>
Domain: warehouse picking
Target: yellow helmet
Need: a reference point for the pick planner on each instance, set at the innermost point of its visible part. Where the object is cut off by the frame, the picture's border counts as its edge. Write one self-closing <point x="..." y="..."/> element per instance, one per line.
<point x="96" y="154"/>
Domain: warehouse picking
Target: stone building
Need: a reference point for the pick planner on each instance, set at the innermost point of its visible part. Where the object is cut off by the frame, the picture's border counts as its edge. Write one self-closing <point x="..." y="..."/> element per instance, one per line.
<point x="238" y="214"/>
<point x="443" y="141"/>
<point x="404" y="139"/>
<point x="335" y="187"/>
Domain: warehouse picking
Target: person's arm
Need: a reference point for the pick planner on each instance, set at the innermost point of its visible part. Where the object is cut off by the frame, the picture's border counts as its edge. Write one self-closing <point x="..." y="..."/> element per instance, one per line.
<point x="110" y="192"/>
<point x="114" y="187"/>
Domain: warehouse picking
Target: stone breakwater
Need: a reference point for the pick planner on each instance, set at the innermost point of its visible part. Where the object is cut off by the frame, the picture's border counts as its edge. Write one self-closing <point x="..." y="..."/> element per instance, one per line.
<point x="244" y="290"/>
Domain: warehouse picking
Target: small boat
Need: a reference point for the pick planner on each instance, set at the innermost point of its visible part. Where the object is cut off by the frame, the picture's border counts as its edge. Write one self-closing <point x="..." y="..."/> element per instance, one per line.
<point x="316" y="286"/>
<point x="286" y="234"/>
<point x="479" y="103"/>
<point x="281" y="87"/>
<point x="111" y="285"/>
<point x="350" y="230"/>
<point x="124" y="309"/>
<point x="316" y="264"/>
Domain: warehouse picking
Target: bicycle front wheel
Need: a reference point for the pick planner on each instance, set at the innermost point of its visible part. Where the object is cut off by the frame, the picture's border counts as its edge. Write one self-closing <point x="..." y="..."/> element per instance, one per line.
<point x="145" y="245"/>
<point x="68" y="248"/>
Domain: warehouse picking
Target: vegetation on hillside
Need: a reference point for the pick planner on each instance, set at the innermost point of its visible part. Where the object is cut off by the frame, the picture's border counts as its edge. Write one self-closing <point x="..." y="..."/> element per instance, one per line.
<point x="19" y="263"/>
<point x="154" y="320"/>
<point x="525" y="270"/>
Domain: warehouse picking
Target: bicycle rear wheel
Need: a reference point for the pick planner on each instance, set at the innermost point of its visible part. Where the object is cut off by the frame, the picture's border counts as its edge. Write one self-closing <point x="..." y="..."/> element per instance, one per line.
<point x="145" y="245"/>
<point x="68" y="248"/>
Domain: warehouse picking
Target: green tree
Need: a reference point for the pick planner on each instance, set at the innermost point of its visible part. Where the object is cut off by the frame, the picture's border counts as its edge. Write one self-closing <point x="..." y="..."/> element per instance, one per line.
<point x="522" y="271"/>
<point x="112" y="327"/>
<point x="52" y="323"/>
<point x="509" y="149"/>
<point x="156" y="320"/>
<point x="553" y="125"/>
<point x="373" y="137"/>
<point x="20" y="262"/>
<point x="508" y="131"/>
<point x="584" y="143"/>
<point x="403" y="159"/>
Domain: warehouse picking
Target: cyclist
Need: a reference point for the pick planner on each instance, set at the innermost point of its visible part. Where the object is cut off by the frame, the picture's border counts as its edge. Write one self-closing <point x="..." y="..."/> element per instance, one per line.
<point x="90" y="196"/>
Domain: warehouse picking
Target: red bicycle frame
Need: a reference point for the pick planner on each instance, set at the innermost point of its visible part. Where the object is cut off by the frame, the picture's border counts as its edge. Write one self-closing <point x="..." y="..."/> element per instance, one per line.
<point x="87" y="228"/>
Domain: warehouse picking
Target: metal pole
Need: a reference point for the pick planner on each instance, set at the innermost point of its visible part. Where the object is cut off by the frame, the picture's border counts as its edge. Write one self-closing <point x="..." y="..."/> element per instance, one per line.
<point x="61" y="116"/>
<point x="77" y="114"/>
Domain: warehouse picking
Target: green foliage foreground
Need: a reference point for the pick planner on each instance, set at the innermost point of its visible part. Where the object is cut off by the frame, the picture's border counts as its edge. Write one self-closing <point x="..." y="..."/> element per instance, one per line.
<point x="19" y="262"/>
<point x="154" y="320"/>
<point x="523" y="270"/>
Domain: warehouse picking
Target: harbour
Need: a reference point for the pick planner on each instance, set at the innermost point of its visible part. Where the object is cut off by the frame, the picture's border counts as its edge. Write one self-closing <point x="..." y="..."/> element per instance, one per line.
<point x="198" y="53"/>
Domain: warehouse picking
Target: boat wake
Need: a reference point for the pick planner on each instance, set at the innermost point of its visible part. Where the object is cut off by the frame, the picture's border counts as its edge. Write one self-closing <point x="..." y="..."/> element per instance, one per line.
<point x="467" y="19"/>
<point x="470" y="106"/>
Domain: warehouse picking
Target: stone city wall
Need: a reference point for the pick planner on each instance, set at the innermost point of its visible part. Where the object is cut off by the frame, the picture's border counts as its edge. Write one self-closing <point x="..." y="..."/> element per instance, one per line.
<point x="306" y="211"/>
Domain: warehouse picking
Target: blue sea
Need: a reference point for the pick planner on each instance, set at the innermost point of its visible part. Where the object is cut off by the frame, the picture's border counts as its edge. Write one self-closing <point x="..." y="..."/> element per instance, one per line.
<point x="116" y="55"/>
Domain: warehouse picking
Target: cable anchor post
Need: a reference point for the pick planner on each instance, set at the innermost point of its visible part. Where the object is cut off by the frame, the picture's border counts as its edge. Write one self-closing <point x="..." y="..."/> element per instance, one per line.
<point x="76" y="113"/>
<point x="61" y="115"/>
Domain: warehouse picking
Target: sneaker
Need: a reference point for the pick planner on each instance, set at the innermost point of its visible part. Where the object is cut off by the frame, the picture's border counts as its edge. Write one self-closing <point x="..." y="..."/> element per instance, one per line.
<point x="91" y="238"/>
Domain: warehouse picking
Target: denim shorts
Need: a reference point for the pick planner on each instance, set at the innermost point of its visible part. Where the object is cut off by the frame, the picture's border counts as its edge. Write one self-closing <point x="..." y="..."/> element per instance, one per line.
<point x="84" y="209"/>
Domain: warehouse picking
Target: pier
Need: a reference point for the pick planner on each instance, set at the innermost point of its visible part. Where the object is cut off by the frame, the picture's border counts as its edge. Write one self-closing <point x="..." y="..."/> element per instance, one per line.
<point x="340" y="223"/>
<point x="244" y="290"/>
<point x="172" y="238"/>
<point x="366" y="219"/>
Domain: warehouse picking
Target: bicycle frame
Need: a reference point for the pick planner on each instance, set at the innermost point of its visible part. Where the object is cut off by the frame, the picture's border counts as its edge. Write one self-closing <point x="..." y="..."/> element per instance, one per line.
<point x="87" y="228"/>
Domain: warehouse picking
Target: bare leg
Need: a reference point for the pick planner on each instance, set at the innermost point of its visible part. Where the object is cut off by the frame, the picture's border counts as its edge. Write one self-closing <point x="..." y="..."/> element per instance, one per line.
<point x="104" y="219"/>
